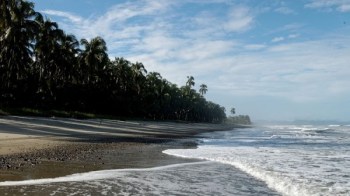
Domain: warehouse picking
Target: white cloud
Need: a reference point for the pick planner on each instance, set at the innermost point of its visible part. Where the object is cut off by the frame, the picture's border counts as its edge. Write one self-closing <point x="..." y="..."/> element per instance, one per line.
<point x="291" y="36"/>
<point x="240" y="19"/>
<point x="254" y="46"/>
<point x="285" y="10"/>
<point x="277" y="39"/>
<point x="344" y="8"/>
<point x="113" y="25"/>
<point x="281" y="38"/>
<point x="303" y="72"/>
<point x="177" y="45"/>
<point x="71" y="17"/>
<point x="339" y="5"/>
<point x="128" y="10"/>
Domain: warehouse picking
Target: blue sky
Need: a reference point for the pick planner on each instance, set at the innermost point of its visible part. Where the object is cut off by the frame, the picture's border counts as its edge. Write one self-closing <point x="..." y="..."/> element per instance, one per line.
<point x="271" y="59"/>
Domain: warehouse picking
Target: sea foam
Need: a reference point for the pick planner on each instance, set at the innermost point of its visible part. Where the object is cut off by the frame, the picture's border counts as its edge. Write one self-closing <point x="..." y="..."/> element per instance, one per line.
<point x="293" y="160"/>
<point x="274" y="180"/>
<point x="91" y="176"/>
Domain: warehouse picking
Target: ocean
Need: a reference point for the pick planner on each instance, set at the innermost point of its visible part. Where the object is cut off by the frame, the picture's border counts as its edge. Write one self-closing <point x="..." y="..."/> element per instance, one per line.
<point x="263" y="160"/>
<point x="290" y="159"/>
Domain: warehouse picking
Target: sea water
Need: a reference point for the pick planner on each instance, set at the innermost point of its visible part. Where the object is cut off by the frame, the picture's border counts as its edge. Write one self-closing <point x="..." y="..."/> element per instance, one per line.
<point x="264" y="160"/>
<point x="291" y="159"/>
<point x="198" y="178"/>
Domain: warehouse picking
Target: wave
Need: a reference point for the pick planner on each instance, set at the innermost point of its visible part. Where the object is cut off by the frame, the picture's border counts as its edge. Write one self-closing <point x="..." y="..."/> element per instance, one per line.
<point x="94" y="175"/>
<point x="274" y="179"/>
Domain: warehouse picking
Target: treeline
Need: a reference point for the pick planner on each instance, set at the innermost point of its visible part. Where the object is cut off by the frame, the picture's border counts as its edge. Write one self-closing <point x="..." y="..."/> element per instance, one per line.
<point x="43" y="67"/>
<point x="240" y="119"/>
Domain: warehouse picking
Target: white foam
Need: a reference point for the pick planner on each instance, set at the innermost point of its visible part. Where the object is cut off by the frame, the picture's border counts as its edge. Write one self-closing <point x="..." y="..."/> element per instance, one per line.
<point x="293" y="164"/>
<point x="275" y="137"/>
<point x="91" y="176"/>
<point x="273" y="179"/>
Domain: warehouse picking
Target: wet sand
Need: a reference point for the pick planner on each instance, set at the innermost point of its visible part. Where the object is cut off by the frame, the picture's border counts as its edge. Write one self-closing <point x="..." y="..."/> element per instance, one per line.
<point x="32" y="148"/>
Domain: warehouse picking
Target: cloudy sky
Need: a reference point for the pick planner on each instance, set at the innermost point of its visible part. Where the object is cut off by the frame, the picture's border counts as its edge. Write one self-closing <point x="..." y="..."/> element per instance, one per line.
<point x="271" y="59"/>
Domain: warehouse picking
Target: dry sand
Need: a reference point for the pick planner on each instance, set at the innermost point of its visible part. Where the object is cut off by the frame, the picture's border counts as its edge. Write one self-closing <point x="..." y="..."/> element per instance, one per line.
<point x="24" y="133"/>
<point x="19" y="143"/>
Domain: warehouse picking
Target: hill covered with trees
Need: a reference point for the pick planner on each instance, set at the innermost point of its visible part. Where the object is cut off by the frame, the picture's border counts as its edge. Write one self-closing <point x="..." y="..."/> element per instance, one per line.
<point x="45" y="68"/>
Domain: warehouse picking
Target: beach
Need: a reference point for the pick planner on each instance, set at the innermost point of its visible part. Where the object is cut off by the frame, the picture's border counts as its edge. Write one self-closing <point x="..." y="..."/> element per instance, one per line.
<point x="34" y="148"/>
<point x="56" y="156"/>
<point x="60" y="156"/>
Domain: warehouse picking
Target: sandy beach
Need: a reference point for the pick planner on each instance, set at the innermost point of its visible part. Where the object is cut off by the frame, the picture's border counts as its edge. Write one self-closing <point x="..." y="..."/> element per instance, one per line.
<point x="33" y="147"/>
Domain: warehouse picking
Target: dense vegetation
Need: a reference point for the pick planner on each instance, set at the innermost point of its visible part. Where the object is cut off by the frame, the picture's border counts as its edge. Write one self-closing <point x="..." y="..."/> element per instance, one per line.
<point x="42" y="67"/>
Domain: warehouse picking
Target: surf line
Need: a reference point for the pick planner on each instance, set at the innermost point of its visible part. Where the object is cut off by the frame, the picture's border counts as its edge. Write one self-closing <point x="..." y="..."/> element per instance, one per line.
<point x="94" y="175"/>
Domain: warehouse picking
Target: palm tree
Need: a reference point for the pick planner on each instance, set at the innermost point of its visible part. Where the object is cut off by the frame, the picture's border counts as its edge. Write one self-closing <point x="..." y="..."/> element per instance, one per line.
<point x="93" y="59"/>
<point x="138" y="74"/>
<point x="203" y="89"/>
<point x="17" y="29"/>
<point x="69" y="52"/>
<point x="38" y="59"/>
<point x="123" y="74"/>
<point x="154" y="83"/>
<point x="153" y="96"/>
<point x="190" y="81"/>
<point x="48" y="58"/>
<point x="46" y="47"/>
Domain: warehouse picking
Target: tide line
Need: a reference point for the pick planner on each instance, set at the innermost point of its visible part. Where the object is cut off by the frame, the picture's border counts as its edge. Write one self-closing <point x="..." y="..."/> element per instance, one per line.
<point x="94" y="175"/>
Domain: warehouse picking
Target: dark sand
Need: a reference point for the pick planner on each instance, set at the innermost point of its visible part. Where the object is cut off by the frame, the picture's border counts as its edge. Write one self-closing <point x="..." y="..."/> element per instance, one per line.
<point x="32" y="148"/>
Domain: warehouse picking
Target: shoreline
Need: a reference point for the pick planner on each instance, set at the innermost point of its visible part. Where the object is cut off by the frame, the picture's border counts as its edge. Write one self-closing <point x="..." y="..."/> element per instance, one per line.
<point x="33" y="147"/>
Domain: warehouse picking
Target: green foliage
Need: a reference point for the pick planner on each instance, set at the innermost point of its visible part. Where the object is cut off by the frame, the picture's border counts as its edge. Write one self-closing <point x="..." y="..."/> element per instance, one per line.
<point x="45" y="69"/>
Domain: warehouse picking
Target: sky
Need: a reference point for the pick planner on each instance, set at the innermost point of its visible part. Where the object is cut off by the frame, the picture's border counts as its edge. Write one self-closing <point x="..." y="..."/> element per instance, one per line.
<point x="271" y="59"/>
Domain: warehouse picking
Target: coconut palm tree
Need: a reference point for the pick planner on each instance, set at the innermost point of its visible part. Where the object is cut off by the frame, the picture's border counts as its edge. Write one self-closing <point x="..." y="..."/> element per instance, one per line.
<point x="190" y="81"/>
<point x="17" y="29"/>
<point x="123" y="74"/>
<point x="93" y="59"/>
<point x="203" y="89"/>
<point x="138" y="76"/>
<point x="47" y="45"/>
<point x="48" y="64"/>
<point x="69" y="51"/>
